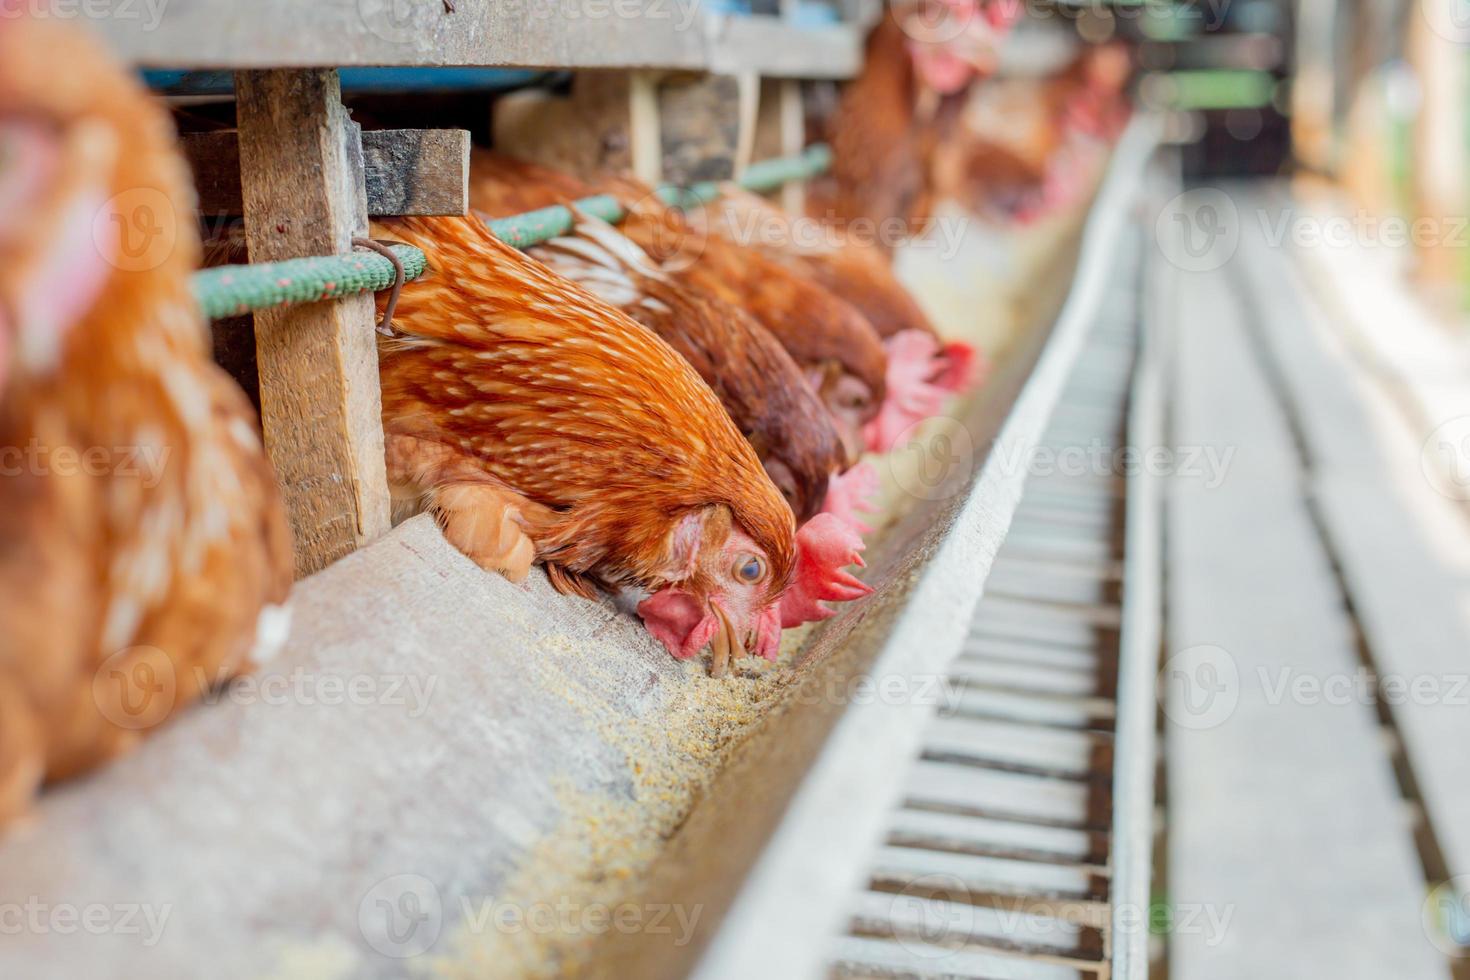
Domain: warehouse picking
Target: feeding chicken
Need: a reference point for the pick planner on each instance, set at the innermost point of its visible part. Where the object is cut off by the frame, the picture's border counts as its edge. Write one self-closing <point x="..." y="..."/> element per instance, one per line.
<point x="920" y="60"/>
<point x="1028" y="147"/>
<point x="923" y="371"/>
<point x="144" y="554"/>
<point x="760" y="386"/>
<point x="540" y="424"/>
<point x="836" y="349"/>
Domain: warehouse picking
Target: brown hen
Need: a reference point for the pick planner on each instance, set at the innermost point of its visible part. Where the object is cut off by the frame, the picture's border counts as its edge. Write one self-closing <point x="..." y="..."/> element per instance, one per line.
<point x="755" y="379"/>
<point x="539" y="423"/>
<point x="143" y="549"/>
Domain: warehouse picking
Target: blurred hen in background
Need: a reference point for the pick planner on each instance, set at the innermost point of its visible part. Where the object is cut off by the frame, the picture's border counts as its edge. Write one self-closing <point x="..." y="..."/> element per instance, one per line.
<point x="144" y="554"/>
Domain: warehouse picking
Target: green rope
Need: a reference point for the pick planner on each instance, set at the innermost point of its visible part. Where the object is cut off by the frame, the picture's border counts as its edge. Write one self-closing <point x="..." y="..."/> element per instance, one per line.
<point x="231" y="290"/>
<point x="535" y="227"/>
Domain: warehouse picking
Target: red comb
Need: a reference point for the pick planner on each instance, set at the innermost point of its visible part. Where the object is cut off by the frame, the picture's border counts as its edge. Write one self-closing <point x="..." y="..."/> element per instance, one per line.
<point x="850" y="493"/>
<point x="824" y="546"/>
<point x="962" y="367"/>
<point x="1003" y="14"/>
<point x="912" y="394"/>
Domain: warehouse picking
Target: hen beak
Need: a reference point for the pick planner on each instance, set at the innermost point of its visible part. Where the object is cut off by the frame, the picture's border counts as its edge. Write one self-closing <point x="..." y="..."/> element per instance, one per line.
<point x="723" y="645"/>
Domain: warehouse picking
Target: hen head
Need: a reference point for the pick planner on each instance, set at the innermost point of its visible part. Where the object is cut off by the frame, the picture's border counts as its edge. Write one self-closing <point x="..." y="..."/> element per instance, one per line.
<point x="729" y="598"/>
<point x="724" y="592"/>
<point x="954" y="42"/>
<point x="85" y="164"/>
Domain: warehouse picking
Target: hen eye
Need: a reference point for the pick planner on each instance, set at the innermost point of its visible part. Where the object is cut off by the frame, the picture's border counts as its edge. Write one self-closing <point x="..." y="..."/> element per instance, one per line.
<point x="750" y="569"/>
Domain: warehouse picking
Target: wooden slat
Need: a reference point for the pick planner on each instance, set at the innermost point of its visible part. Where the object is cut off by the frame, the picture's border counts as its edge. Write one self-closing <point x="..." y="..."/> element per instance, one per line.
<point x="1077" y="713"/>
<point x="301" y="175"/>
<point x="999" y="837"/>
<point x="406" y="171"/>
<point x="881" y="959"/>
<point x="980" y="878"/>
<point x="1007" y="744"/>
<point x="944" y="923"/>
<point x="477" y="33"/>
<point x="981" y="647"/>
<point x="1014" y="795"/>
<point x="1283" y="813"/>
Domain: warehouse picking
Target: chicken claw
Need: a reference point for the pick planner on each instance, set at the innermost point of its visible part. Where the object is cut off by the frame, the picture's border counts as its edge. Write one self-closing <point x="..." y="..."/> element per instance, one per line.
<point x="484" y="521"/>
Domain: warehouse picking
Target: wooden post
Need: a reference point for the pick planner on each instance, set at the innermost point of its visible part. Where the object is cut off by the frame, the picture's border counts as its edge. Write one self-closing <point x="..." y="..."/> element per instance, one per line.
<point x="301" y="178"/>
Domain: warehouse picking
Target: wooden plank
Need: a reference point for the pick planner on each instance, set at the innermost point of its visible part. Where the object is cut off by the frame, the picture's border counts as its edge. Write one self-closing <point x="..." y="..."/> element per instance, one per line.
<point x="941" y="922"/>
<point x="1328" y="885"/>
<point x="980" y="647"/>
<point x="1010" y="745"/>
<point x="1404" y="549"/>
<point x="198" y="34"/>
<point x="1019" y="796"/>
<point x="982" y="877"/>
<point x="609" y="122"/>
<point x="1001" y="837"/>
<point x="301" y="177"/>
<point x="705" y="126"/>
<point x="1019" y="706"/>
<point x="880" y="959"/>
<point x="405" y="171"/>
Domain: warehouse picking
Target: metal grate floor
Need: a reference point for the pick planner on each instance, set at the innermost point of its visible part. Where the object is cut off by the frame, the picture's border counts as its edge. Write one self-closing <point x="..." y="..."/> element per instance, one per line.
<point x="997" y="863"/>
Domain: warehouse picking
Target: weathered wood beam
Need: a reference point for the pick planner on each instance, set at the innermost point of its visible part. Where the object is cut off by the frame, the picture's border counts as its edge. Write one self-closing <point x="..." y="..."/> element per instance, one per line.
<point x="301" y="176"/>
<point x="676" y="127"/>
<point x="197" y="34"/>
<point x="706" y="126"/>
<point x="405" y="171"/>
